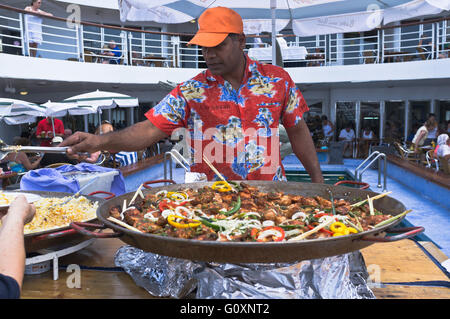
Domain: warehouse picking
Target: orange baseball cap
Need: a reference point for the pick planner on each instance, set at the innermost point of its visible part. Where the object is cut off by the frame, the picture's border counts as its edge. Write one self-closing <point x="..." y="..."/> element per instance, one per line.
<point x="215" y="24"/>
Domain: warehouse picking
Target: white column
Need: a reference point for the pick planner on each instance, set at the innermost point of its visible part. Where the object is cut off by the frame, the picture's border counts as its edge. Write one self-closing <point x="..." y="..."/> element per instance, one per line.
<point x="382" y="119"/>
<point x="86" y="125"/>
<point x="407" y="104"/>
<point x="358" y="118"/>
<point x="273" y="7"/>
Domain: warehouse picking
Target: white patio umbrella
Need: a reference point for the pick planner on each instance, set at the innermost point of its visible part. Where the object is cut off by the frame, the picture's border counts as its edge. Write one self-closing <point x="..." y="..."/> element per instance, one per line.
<point x="14" y="111"/>
<point x="307" y="17"/>
<point x="100" y="100"/>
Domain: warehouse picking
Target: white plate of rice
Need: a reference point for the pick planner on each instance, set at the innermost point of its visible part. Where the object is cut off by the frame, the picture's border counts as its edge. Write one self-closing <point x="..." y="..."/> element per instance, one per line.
<point x="6" y="198"/>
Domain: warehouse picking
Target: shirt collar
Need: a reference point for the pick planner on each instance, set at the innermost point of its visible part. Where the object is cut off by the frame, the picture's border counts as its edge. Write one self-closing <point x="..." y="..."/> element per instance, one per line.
<point x="247" y="73"/>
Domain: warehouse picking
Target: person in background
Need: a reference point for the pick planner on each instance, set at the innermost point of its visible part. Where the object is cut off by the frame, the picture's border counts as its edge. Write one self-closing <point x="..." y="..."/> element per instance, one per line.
<point x="443" y="147"/>
<point x="34" y="25"/>
<point x="19" y="162"/>
<point x="115" y="50"/>
<point x="44" y="130"/>
<point x="54" y="158"/>
<point x="347" y="135"/>
<point x="367" y="137"/>
<point x="67" y="133"/>
<point x="327" y="128"/>
<point x="421" y="135"/>
<point x="107" y="53"/>
<point x="433" y="132"/>
<point x="12" y="246"/>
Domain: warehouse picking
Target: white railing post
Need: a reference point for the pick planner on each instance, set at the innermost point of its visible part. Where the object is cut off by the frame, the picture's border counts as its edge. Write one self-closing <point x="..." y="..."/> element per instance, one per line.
<point x="433" y="42"/>
<point x="22" y="34"/>
<point x="382" y="119"/>
<point x="81" y="41"/>
<point x="130" y="44"/>
<point x="382" y="46"/>
<point x="176" y="51"/>
<point x="143" y="51"/>
<point x="123" y="43"/>
<point x="26" y="44"/>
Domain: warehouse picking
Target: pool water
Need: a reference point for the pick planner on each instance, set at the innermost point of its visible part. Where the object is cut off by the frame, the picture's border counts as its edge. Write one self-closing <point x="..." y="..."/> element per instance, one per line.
<point x="330" y="177"/>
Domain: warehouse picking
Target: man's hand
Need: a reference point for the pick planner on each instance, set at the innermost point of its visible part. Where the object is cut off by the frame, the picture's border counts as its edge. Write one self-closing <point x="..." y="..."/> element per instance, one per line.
<point x="81" y="142"/>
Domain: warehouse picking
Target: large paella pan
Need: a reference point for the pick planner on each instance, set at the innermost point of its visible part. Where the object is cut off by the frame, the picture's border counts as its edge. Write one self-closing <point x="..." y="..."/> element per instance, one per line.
<point x="213" y="248"/>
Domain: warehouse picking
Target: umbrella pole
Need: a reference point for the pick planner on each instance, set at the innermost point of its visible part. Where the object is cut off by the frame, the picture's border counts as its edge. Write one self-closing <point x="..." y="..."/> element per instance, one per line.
<point x="99" y="121"/>
<point x="53" y="126"/>
<point x="273" y="6"/>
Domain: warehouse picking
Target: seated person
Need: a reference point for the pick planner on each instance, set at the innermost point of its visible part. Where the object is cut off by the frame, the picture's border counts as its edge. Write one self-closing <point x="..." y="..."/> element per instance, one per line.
<point x="444" y="147"/>
<point x="19" y="162"/>
<point x="421" y="135"/>
<point x="327" y="128"/>
<point x="116" y="52"/>
<point x="347" y="135"/>
<point x="54" y="158"/>
<point x="367" y="137"/>
<point x="126" y="158"/>
<point x="107" y="53"/>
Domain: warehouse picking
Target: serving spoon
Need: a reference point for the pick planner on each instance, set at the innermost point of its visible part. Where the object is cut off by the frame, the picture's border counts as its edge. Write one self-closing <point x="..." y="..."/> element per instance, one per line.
<point x="5" y="149"/>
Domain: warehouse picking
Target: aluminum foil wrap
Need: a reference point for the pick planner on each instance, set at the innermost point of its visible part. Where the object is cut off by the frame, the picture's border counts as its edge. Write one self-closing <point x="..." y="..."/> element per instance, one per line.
<point x="343" y="276"/>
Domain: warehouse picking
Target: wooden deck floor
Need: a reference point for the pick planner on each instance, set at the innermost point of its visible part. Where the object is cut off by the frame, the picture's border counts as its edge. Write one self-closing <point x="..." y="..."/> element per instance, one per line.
<point x="399" y="262"/>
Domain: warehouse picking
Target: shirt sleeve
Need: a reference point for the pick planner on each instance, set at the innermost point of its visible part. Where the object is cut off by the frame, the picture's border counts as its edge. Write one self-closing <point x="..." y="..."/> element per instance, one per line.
<point x="9" y="288"/>
<point x="294" y="107"/>
<point x="171" y="113"/>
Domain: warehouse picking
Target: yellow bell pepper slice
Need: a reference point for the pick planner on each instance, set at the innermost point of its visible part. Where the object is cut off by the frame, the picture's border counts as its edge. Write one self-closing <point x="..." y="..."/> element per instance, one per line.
<point x="173" y="220"/>
<point x="338" y="227"/>
<point x="221" y="186"/>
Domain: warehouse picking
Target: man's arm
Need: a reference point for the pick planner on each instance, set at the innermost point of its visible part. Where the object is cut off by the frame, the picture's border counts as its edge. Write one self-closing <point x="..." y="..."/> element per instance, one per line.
<point x="133" y="138"/>
<point x="304" y="149"/>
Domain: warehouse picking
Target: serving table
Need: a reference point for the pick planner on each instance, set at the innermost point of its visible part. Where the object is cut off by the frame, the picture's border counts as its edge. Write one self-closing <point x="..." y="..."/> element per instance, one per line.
<point x="403" y="268"/>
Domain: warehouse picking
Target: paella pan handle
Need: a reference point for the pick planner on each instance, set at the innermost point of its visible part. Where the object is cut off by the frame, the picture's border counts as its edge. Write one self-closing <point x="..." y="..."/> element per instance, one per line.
<point x="146" y="184"/>
<point x="111" y="195"/>
<point x="403" y="233"/>
<point x="364" y="185"/>
<point x="82" y="229"/>
<point x="58" y="234"/>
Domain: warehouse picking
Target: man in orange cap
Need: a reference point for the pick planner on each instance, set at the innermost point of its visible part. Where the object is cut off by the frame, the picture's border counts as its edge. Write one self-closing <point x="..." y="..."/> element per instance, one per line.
<point x="231" y="111"/>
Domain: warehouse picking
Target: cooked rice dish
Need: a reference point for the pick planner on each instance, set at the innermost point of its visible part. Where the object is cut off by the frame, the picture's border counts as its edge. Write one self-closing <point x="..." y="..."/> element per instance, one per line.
<point x="48" y="216"/>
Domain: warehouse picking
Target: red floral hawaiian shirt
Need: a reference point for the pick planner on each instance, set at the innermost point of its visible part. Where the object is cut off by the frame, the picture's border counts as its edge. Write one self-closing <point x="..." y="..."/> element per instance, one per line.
<point x="236" y="130"/>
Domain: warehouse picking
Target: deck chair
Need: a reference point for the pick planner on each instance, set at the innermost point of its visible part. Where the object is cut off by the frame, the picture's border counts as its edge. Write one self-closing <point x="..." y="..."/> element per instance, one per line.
<point x="370" y="57"/>
<point x="431" y="161"/>
<point x="424" y="54"/>
<point x="56" y="165"/>
<point x="443" y="165"/>
<point x="405" y="153"/>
